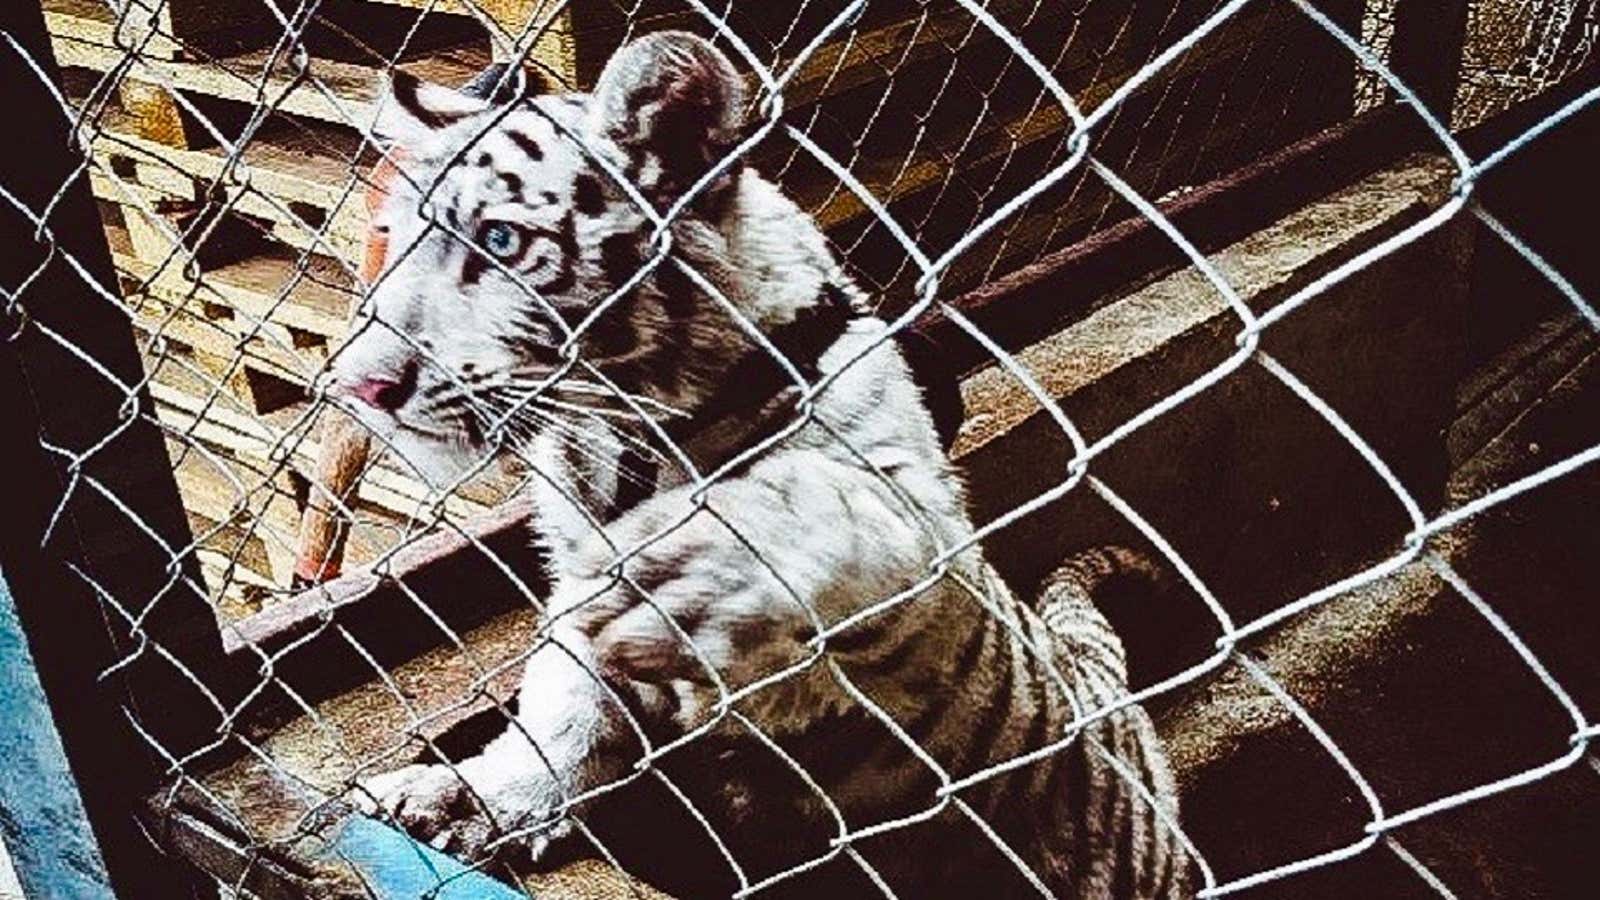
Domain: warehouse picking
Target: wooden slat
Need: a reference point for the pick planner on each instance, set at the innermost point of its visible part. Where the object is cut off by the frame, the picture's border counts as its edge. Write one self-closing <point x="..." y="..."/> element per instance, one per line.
<point x="168" y="32"/>
<point x="268" y="287"/>
<point x="297" y="161"/>
<point x="247" y="436"/>
<point x="247" y="77"/>
<point x="261" y="511"/>
<point x="870" y="54"/>
<point x="554" y="50"/>
<point x="292" y="618"/>
<point x="840" y="65"/>
<point x="263" y="353"/>
<point x="93" y="21"/>
<point x="938" y="192"/>
<point x="270" y="219"/>
<point x="254" y="501"/>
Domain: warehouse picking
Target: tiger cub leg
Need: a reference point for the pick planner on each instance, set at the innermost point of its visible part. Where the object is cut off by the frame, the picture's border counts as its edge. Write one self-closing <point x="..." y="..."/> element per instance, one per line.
<point x="625" y="663"/>
<point x="523" y="778"/>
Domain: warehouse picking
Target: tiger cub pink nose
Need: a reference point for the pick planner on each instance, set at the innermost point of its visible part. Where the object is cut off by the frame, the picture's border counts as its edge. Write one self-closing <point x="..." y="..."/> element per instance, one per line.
<point x="387" y="393"/>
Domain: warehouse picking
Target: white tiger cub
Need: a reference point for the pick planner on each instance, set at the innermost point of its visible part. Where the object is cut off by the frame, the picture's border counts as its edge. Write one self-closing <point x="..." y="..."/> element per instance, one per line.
<point x="507" y="230"/>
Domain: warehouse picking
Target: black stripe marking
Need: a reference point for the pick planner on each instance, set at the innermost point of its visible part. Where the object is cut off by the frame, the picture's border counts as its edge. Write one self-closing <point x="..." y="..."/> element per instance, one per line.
<point x="619" y="258"/>
<point x="526" y="144"/>
<point x="1017" y="784"/>
<point x="1072" y="767"/>
<point x="858" y="637"/>
<point x="897" y="657"/>
<point x="631" y="493"/>
<point x="971" y="652"/>
<point x="407" y="92"/>
<point x="588" y="196"/>
<point x="649" y="573"/>
<point x="614" y="335"/>
<point x="939" y="385"/>
<point x="566" y="240"/>
<point x="531" y="340"/>
<point x="477" y="262"/>
<point x="756" y="377"/>
<point x="870" y="633"/>
<point x="992" y="726"/>
<point x="678" y="293"/>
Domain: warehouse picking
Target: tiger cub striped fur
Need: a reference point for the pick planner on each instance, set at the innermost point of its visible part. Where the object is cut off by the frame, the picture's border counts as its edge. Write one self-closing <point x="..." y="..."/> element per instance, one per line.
<point x="517" y="227"/>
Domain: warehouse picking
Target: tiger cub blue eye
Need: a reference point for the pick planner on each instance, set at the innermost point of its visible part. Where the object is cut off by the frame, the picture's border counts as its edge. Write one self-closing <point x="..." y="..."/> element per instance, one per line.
<point x="502" y="240"/>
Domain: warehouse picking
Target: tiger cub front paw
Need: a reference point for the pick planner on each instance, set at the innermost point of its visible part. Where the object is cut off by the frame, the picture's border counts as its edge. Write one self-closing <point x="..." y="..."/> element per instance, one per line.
<point x="433" y="804"/>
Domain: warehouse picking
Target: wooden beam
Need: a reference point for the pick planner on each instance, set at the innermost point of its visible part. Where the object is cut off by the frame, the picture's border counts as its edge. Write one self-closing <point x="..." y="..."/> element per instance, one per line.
<point x="1365" y="663"/>
<point x="90" y="667"/>
<point x="1028" y="303"/>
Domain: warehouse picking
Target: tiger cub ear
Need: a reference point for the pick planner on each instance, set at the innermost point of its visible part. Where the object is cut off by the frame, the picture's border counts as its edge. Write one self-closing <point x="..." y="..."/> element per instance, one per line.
<point x="674" y="105"/>
<point x="411" y="109"/>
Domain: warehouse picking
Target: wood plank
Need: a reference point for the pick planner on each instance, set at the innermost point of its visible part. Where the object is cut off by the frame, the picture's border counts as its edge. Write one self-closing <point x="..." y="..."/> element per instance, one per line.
<point x="295" y="160"/>
<point x="840" y="65"/>
<point x="265" y="288"/>
<point x="167" y="30"/>
<point x="293" y="618"/>
<point x="335" y="223"/>
<point x="257" y="512"/>
<point x="95" y="22"/>
<point x="246" y="76"/>
<point x="863" y="56"/>
<point x="1213" y="215"/>
<point x="261" y="503"/>
<point x="508" y="21"/>
<point x="263" y="439"/>
<point x="264" y="353"/>
<point x="581" y="37"/>
<point x="253" y="505"/>
<point x="263" y="347"/>
<point x="247" y="436"/>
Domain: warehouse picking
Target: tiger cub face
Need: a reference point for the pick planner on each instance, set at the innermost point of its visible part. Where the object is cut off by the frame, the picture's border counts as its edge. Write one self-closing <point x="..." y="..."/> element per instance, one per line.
<point x="524" y="280"/>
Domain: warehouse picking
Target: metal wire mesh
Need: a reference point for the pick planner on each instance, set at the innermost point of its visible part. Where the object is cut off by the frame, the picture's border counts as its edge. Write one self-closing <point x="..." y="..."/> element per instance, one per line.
<point x="940" y="144"/>
<point x="1512" y="52"/>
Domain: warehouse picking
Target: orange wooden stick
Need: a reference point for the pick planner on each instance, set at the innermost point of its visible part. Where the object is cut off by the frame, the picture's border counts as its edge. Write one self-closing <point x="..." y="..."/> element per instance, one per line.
<point x="345" y="443"/>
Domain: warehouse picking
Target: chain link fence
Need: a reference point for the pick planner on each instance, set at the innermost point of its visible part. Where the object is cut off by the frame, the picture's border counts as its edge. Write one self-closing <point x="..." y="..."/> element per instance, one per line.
<point x="942" y="147"/>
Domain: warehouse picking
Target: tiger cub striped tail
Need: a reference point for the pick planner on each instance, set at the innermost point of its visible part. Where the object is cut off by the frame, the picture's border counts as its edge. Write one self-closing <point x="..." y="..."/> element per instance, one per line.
<point x="1067" y="602"/>
<point x="1123" y="850"/>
